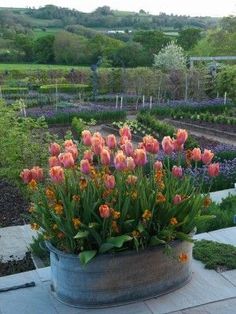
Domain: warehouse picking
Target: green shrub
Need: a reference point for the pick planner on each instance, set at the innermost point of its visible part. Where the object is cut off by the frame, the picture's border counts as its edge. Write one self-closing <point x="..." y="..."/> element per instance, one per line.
<point x="14" y="90"/>
<point x="64" y="88"/>
<point x="78" y="126"/>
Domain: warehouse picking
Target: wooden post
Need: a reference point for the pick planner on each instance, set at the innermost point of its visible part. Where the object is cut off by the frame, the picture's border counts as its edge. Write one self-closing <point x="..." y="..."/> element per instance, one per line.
<point x="186" y="88"/>
<point x="225" y="98"/>
<point x="117" y="98"/>
<point x="56" y="95"/>
<point x="121" y="102"/>
<point x="150" y="105"/>
<point x="143" y="101"/>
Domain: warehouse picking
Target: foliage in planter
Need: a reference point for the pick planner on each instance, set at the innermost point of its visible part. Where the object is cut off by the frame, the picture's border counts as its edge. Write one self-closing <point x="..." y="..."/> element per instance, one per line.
<point x="162" y="128"/>
<point x="64" y="88"/>
<point x="100" y="116"/>
<point x="224" y="215"/>
<point x="215" y="255"/>
<point x="24" y="141"/>
<point x="98" y="198"/>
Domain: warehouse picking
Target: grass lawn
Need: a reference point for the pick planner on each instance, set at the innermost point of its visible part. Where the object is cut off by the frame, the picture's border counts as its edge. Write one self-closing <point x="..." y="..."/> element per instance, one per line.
<point x="32" y="66"/>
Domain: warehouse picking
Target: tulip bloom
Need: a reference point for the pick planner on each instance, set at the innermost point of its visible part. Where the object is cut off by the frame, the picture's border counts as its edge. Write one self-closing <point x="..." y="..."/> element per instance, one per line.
<point x="53" y="161"/>
<point x="127" y="147"/>
<point x="140" y="157"/>
<point x="207" y="156"/>
<point x="214" y="169"/>
<point x="130" y="163"/>
<point x="68" y="143"/>
<point x="178" y="147"/>
<point x="85" y="166"/>
<point x="167" y="145"/>
<point x="111" y="141"/>
<point x="109" y="181"/>
<point x="73" y="150"/>
<point x="158" y="165"/>
<point x="181" y="136"/>
<point x="54" y="149"/>
<point x="97" y="144"/>
<point x="105" y="157"/>
<point x="177" y="171"/>
<point x="177" y="199"/>
<point x="88" y="154"/>
<point x="196" y="154"/>
<point x="57" y="174"/>
<point x="151" y="144"/>
<point x="67" y="160"/>
<point x="37" y="173"/>
<point x="131" y="179"/>
<point x="104" y="211"/>
<point x="120" y="160"/>
<point x="125" y="131"/>
<point x="26" y="176"/>
<point x="86" y="137"/>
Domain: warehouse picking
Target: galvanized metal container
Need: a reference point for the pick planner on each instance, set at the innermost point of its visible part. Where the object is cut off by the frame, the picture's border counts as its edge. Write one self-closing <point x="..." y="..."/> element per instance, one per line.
<point x="115" y="279"/>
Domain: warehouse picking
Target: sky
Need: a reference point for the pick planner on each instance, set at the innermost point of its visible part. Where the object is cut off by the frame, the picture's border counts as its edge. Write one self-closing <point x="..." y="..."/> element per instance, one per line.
<point x="180" y="7"/>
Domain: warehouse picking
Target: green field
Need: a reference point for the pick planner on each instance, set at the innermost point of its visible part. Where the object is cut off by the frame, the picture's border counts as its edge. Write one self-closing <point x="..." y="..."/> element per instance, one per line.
<point x="30" y="66"/>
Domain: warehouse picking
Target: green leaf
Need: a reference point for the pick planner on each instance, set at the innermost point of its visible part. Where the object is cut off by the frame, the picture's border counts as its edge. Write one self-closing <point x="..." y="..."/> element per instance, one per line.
<point x="81" y="235"/>
<point x="156" y="241"/>
<point x="184" y="237"/>
<point x="119" y="241"/>
<point x="140" y="228"/>
<point x="204" y="218"/>
<point x="106" y="247"/>
<point x="86" y="256"/>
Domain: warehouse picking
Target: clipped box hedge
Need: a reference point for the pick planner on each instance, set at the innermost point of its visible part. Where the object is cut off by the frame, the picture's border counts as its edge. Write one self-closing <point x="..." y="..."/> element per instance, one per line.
<point x="64" y="88"/>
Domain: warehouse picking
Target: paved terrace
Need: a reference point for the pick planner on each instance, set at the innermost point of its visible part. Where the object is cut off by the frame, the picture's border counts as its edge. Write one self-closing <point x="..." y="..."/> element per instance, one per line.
<point x="208" y="292"/>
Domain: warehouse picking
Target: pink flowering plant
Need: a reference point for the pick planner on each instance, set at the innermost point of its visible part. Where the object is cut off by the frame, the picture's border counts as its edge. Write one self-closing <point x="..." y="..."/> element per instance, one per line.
<point x="95" y="196"/>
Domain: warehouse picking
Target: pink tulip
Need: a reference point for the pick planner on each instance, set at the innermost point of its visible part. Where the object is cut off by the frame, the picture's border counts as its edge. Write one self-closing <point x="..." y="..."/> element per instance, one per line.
<point x="88" y="154"/>
<point x="37" y="173"/>
<point x="125" y="131"/>
<point x="167" y="145"/>
<point x="86" y="137"/>
<point x="130" y="163"/>
<point x="181" y="136"/>
<point x="207" y="156"/>
<point x="140" y="157"/>
<point x="109" y="181"/>
<point x="127" y="148"/>
<point x="120" y="160"/>
<point x="104" y="211"/>
<point x="158" y="165"/>
<point x="177" y="171"/>
<point x="111" y="141"/>
<point x="214" y="169"/>
<point x="67" y="160"/>
<point x="131" y="179"/>
<point x="73" y="150"/>
<point x="54" y="149"/>
<point x="141" y="145"/>
<point x="57" y="174"/>
<point x="97" y="145"/>
<point x="68" y="143"/>
<point x="26" y="176"/>
<point x="53" y="161"/>
<point x="196" y="154"/>
<point x="151" y="144"/>
<point x="123" y="139"/>
<point x="178" y="147"/>
<point x="105" y="157"/>
<point x="177" y="199"/>
<point x="85" y="166"/>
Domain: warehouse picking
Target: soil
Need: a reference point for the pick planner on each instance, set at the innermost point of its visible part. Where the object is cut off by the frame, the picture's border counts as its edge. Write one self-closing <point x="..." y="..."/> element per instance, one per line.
<point x="205" y="142"/>
<point x="17" y="265"/>
<point x="60" y="130"/>
<point x="13" y="206"/>
<point x="216" y="126"/>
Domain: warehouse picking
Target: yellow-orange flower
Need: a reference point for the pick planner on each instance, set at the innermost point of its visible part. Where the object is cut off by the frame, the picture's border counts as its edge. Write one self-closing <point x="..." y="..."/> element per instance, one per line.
<point x="147" y="215"/>
<point x="34" y="226"/>
<point x="135" y="234"/>
<point x="173" y="221"/>
<point x="115" y="214"/>
<point x="160" y="198"/>
<point x="50" y="194"/>
<point x="83" y="184"/>
<point x="33" y="185"/>
<point x="54" y="226"/>
<point x="76" y="222"/>
<point x="207" y="202"/>
<point x="114" y="226"/>
<point x="31" y="208"/>
<point x="58" y="208"/>
<point x="183" y="257"/>
<point x="76" y="198"/>
<point x="134" y="195"/>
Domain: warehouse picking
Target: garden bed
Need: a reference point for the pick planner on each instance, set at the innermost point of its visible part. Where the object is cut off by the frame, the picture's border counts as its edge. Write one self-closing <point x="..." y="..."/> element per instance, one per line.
<point x="13" y="206"/>
<point x="16" y="265"/>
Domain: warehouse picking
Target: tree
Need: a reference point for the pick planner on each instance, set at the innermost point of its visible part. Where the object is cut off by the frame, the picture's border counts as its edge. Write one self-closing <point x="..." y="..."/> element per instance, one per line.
<point x="152" y="41"/>
<point x="43" y="49"/>
<point x="24" y="44"/>
<point x="170" y="57"/>
<point x="188" y="38"/>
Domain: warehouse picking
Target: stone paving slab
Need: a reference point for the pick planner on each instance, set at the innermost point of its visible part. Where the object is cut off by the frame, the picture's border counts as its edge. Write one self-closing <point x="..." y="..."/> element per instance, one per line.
<point x="14" y="241"/>
<point x="219" y="195"/>
<point x="227" y="235"/>
<point x="230" y="275"/>
<point x="206" y="286"/>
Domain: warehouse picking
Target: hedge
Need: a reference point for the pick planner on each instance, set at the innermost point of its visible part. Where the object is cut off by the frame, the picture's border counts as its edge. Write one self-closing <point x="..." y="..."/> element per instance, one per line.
<point x="14" y="90"/>
<point x="64" y="88"/>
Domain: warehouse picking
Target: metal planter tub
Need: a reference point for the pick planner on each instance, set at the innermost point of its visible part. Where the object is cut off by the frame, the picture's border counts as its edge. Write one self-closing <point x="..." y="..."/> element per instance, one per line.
<point x="115" y="279"/>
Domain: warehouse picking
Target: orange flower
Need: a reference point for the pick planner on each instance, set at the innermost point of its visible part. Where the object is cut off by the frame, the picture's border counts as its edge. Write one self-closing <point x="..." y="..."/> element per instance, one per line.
<point x="214" y="169"/>
<point x="183" y="257"/>
<point x="76" y="222"/>
<point x="104" y="211"/>
<point x="147" y="215"/>
<point x="33" y="185"/>
<point x="134" y="195"/>
<point x="115" y="214"/>
<point x="31" y="208"/>
<point x="34" y="226"/>
<point x="135" y="234"/>
<point x="181" y="136"/>
<point x="173" y="221"/>
<point x="83" y="184"/>
<point x="58" y="208"/>
<point x="160" y="198"/>
<point x="196" y="154"/>
<point x="131" y="179"/>
<point x="50" y="194"/>
<point x="207" y="156"/>
<point x="76" y="198"/>
<point x="207" y="202"/>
